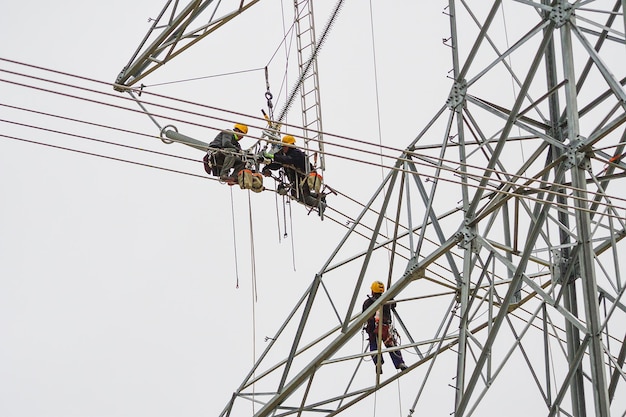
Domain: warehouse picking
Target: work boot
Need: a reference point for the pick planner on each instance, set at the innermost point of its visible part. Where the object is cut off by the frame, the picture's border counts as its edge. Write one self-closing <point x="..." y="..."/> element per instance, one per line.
<point x="402" y="366"/>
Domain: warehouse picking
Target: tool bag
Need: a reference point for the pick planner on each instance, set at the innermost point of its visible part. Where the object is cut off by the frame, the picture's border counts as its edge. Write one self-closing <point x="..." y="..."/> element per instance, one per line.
<point x="249" y="180"/>
<point x="314" y="182"/>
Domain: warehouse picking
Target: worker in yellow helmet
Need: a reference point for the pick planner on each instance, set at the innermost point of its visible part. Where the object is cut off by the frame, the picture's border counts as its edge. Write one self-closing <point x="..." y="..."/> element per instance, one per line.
<point x="372" y="328"/>
<point x="228" y="140"/>
<point x="292" y="161"/>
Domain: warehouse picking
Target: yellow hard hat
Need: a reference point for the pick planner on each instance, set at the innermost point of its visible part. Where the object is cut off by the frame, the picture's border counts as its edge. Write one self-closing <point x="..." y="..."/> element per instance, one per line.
<point x="243" y="128"/>
<point x="378" y="287"/>
<point x="289" y="139"/>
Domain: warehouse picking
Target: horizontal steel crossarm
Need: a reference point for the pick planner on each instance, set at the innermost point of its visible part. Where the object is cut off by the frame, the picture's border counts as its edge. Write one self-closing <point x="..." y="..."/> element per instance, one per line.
<point x="146" y="61"/>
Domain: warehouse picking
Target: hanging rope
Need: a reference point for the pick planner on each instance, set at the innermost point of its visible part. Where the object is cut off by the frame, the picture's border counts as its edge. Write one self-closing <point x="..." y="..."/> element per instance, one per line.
<point x="506" y="38"/>
<point x="277" y="216"/>
<point x="254" y="290"/>
<point x="281" y="177"/>
<point x="293" y="250"/>
<point x="378" y="123"/>
<point x="252" y="255"/>
<point x="232" y="219"/>
<point x="399" y="397"/>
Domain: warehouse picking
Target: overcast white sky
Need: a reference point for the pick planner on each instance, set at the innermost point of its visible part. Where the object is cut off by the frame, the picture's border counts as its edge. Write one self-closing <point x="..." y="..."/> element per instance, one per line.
<point x="133" y="284"/>
<point x="118" y="291"/>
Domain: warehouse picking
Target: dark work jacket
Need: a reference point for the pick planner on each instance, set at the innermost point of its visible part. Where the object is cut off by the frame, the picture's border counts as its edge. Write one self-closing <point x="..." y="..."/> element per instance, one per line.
<point x="371" y="322"/>
<point x="226" y="140"/>
<point x="294" y="156"/>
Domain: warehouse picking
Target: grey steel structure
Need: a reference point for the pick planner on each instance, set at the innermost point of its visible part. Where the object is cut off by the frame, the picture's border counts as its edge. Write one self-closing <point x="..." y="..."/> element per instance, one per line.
<point x="499" y="232"/>
<point x="173" y="31"/>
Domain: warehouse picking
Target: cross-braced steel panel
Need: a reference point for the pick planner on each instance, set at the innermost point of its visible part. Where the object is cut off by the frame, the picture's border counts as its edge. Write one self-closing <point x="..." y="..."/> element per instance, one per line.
<point x="498" y="232"/>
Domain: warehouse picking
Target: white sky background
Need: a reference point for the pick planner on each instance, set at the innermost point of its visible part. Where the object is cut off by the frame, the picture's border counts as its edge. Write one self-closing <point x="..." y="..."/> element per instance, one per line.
<point x="117" y="281"/>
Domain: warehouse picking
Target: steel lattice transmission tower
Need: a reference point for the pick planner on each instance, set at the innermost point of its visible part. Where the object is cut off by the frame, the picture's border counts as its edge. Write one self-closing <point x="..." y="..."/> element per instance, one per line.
<point x="506" y="216"/>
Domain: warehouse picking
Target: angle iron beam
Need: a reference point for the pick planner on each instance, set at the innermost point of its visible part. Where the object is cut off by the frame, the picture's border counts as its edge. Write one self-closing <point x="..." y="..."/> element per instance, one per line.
<point x="368" y="254"/>
<point x="510" y="121"/>
<point x="585" y="256"/>
<point x="506" y="302"/>
<point x="354" y="327"/>
<point x="429" y="213"/>
<point x="604" y="70"/>
<point x="146" y="62"/>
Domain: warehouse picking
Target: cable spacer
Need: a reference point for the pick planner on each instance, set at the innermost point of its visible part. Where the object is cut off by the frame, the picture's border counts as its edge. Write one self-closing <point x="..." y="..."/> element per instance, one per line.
<point x="162" y="135"/>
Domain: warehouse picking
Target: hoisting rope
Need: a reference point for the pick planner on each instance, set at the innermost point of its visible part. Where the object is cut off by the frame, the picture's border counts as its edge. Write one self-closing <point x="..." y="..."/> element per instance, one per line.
<point x="232" y="219"/>
<point x="287" y="203"/>
<point x="378" y="123"/>
<point x="293" y="249"/>
<point x="506" y="38"/>
<point x="399" y="397"/>
<point x="365" y="348"/>
<point x="254" y="291"/>
<point x="277" y="216"/>
<point x="252" y="255"/>
<point x="389" y="253"/>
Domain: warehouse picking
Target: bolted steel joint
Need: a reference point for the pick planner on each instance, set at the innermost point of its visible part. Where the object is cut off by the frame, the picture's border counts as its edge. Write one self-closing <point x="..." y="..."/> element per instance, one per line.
<point x="561" y="13"/>
<point x="457" y="94"/>
<point x="467" y="236"/>
<point x="577" y="158"/>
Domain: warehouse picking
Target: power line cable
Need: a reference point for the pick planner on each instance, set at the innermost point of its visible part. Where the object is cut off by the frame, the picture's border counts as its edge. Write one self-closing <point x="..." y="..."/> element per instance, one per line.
<point x="177" y="171"/>
<point x="450" y="169"/>
<point x="104" y="156"/>
<point x="224" y="110"/>
<point x="496" y="189"/>
<point x="547" y="183"/>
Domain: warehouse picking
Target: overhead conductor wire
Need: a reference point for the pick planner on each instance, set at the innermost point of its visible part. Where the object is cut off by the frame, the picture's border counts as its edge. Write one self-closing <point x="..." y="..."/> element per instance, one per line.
<point x="415" y="154"/>
<point x="477" y="177"/>
<point x="451" y="169"/>
<point x="495" y="191"/>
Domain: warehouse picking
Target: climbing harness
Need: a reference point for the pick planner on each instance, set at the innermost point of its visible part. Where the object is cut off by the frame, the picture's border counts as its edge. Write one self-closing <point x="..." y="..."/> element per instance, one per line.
<point x="389" y="334"/>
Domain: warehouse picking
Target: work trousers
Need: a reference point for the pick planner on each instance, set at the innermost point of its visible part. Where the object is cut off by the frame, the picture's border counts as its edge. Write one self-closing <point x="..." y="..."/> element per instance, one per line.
<point x="388" y="341"/>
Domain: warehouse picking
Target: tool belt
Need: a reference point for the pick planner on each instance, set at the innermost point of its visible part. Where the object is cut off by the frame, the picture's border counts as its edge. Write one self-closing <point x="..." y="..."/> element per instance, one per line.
<point x="388" y="334"/>
<point x="213" y="161"/>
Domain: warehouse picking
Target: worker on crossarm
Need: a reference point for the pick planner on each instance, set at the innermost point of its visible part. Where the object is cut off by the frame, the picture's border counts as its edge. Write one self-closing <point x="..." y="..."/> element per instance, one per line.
<point x="228" y="140"/>
<point x="388" y="334"/>
<point x="293" y="162"/>
<point x="288" y="157"/>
